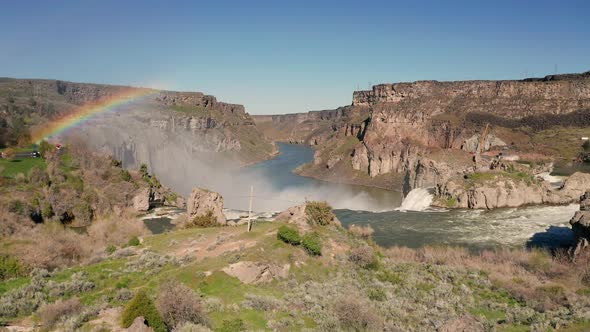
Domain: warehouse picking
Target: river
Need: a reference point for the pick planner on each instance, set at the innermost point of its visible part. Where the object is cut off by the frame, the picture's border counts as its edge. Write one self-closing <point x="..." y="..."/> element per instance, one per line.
<point x="475" y="229"/>
<point x="277" y="187"/>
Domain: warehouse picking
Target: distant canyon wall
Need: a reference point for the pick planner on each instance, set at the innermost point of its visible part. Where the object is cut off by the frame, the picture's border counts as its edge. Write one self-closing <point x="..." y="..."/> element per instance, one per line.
<point x="423" y="130"/>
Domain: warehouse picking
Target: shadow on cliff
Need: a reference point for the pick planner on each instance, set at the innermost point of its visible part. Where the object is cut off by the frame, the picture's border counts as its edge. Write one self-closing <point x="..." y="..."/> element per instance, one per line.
<point x="555" y="237"/>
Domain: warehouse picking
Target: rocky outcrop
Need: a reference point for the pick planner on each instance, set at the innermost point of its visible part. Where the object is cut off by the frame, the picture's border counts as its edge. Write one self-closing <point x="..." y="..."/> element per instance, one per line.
<point x="201" y="201"/>
<point x="141" y="201"/>
<point x="501" y="189"/>
<point x="297" y="216"/>
<point x="581" y="224"/>
<point x="257" y="272"/>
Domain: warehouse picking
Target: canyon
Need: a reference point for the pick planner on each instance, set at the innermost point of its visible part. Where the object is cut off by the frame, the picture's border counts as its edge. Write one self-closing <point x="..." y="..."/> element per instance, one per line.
<point x="427" y="133"/>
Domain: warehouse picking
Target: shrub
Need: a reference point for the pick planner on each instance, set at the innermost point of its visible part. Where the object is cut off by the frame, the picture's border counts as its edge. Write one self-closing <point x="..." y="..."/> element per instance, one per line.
<point x="178" y="305"/>
<point x="319" y="213"/>
<point x="17" y="206"/>
<point x="47" y="210"/>
<point x="312" y="244"/>
<point x="364" y="257"/>
<point x="356" y="315"/>
<point x="10" y="267"/>
<point x="125" y="175"/>
<point x="143" y="171"/>
<point x="51" y="314"/>
<point x="110" y="249"/>
<point x="364" y="232"/>
<point x="289" y="235"/>
<point x="44" y="148"/>
<point x="142" y="306"/>
<point x="83" y="212"/>
<point x="134" y="241"/>
<point x="204" y="220"/>
<point x="39" y="176"/>
<point x="232" y="325"/>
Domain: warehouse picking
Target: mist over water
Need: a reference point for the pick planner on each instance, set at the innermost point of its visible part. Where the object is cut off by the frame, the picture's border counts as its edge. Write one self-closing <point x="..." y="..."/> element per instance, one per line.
<point x="275" y="185"/>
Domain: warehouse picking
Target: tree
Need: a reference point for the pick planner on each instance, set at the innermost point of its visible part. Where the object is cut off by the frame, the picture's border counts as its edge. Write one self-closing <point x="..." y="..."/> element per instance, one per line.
<point x="143" y="171"/>
<point x="44" y="148"/>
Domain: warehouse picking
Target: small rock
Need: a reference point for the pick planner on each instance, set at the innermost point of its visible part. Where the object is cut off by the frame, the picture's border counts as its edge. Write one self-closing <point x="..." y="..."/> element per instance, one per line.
<point x="139" y="326"/>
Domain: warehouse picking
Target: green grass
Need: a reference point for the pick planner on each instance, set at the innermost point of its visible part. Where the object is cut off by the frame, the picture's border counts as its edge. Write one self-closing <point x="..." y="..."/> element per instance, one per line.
<point x="560" y="141"/>
<point x="347" y="146"/>
<point x="494" y="315"/>
<point x="479" y="177"/>
<point x="11" y="168"/>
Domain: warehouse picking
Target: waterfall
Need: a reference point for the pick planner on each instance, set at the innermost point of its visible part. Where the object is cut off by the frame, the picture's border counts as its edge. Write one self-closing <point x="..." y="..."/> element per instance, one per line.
<point x="418" y="199"/>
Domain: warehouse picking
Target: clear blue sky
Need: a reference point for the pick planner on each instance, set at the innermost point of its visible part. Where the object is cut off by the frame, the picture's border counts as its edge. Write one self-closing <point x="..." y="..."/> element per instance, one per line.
<point x="282" y="57"/>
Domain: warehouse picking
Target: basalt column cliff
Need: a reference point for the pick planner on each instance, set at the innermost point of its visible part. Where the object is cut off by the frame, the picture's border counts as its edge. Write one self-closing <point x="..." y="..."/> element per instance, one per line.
<point x="424" y="133"/>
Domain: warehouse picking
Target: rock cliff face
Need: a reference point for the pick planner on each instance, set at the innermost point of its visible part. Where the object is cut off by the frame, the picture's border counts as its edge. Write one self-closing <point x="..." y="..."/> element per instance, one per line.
<point x="215" y="126"/>
<point x="315" y="127"/>
<point x="423" y="132"/>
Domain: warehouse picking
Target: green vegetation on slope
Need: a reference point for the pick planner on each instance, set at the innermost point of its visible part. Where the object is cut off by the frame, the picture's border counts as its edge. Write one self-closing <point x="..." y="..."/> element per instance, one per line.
<point x="352" y="286"/>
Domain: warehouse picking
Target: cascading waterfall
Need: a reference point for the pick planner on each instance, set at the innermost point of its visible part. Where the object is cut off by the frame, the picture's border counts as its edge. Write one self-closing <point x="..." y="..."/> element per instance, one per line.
<point x="419" y="199"/>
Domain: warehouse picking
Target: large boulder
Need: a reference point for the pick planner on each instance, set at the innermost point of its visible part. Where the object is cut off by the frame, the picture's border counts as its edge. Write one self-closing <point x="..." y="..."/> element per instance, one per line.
<point x="574" y="186"/>
<point x="257" y="272"/>
<point x="141" y="201"/>
<point x="201" y="201"/>
<point x="297" y="216"/>
<point x="581" y="224"/>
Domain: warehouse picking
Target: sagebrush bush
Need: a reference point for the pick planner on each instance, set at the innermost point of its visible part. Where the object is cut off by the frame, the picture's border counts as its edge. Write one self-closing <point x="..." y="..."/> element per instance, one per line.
<point x="364" y="232"/>
<point x="289" y="235"/>
<point x="83" y="212"/>
<point x="178" y="304"/>
<point x="319" y="213"/>
<point x="363" y="256"/>
<point x="205" y="220"/>
<point x="51" y="314"/>
<point x="312" y="244"/>
<point x="356" y="315"/>
<point x="141" y="305"/>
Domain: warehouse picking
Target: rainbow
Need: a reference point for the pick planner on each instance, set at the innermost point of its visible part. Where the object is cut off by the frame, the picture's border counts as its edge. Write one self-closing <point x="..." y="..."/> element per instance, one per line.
<point x="85" y="112"/>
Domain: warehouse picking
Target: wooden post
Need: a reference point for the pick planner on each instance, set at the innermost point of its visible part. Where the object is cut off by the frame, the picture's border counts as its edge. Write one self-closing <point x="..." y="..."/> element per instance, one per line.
<point x="250" y="209"/>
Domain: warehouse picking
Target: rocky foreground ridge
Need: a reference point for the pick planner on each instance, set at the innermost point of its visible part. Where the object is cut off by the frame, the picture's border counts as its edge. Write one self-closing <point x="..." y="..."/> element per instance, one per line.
<point x="426" y="133"/>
